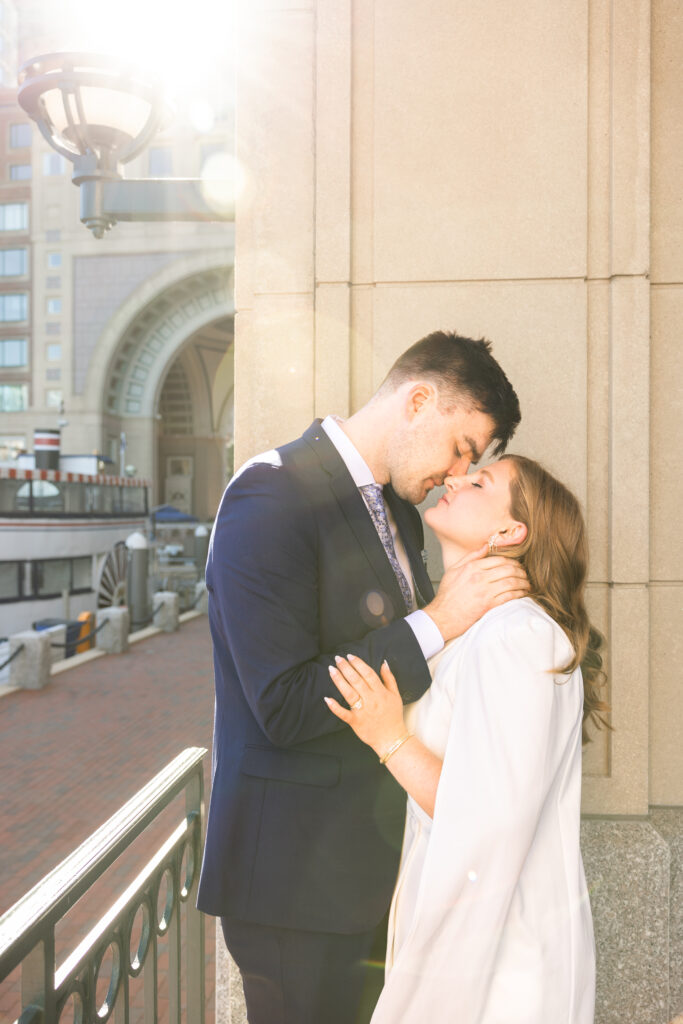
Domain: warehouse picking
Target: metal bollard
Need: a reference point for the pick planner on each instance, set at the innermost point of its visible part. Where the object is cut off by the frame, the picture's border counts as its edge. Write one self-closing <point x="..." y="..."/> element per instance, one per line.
<point x="137" y="580"/>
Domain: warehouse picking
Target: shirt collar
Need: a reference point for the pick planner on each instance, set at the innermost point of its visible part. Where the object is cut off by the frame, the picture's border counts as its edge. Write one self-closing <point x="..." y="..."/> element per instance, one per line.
<point x="351" y="457"/>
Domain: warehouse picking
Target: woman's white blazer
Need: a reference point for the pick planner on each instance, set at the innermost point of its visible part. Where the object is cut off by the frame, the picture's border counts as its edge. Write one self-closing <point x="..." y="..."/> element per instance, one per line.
<point x="491" y="922"/>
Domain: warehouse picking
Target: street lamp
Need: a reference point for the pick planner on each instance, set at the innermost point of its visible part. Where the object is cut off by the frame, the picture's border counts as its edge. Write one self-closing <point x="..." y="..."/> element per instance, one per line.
<point x="99" y="114"/>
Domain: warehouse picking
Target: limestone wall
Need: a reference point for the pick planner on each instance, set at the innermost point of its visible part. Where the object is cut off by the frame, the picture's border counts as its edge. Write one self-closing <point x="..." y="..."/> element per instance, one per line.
<point x="511" y="170"/>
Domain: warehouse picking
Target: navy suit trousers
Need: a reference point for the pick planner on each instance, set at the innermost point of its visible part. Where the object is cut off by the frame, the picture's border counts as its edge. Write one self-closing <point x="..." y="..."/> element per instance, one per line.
<point x="292" y="976"/>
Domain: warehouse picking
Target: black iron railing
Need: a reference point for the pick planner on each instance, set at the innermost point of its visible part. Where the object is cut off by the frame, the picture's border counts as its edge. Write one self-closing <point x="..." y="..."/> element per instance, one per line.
<point x="126" y="936"/>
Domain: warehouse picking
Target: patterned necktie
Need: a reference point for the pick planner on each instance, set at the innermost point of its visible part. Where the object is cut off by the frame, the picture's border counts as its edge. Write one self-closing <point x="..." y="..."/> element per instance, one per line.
<point x="374" y="500"/>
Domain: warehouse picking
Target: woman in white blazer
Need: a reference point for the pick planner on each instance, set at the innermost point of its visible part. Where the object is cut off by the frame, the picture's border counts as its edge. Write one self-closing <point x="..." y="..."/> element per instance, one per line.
<point x="490" y="921"/>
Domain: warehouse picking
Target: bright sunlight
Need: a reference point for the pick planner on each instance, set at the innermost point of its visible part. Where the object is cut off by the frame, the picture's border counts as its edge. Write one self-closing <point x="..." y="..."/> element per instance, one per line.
<point x="187" y="45"/>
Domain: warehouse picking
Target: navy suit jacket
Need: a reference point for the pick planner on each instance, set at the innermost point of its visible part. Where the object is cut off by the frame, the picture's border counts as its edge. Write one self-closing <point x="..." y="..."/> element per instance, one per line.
<point x="304" y="827"/>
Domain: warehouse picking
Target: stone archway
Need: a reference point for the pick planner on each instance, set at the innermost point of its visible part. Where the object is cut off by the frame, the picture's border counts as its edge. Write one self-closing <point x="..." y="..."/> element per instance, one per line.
<point x="155" y="336"/>
<point x="141" y="343"/>
<point x="195" y="423"/>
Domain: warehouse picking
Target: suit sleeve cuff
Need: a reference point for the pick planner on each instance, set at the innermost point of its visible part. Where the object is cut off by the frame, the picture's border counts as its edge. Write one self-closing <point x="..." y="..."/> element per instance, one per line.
<point x="426" y="632"/>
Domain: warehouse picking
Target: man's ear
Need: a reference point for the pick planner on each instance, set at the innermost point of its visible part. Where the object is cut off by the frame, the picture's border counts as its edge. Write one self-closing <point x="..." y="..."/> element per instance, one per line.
<point x="514" y="534"/>
<point x="420" y="395"/>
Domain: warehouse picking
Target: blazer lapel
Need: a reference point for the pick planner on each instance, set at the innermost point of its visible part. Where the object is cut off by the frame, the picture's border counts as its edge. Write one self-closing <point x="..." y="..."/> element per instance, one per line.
<point x="355" y="511"/>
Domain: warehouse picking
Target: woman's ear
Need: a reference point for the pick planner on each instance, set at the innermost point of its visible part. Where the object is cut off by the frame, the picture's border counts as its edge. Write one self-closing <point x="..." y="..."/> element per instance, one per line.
<point x="512" y="535"/>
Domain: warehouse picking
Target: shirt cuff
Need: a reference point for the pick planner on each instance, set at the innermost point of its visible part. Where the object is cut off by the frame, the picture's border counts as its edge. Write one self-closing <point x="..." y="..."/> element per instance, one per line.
<point x="427" y="633"/>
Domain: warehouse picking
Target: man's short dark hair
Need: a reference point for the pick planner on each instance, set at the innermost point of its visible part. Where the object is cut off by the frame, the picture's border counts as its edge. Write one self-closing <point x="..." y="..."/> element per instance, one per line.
<point x="465" y="373"/>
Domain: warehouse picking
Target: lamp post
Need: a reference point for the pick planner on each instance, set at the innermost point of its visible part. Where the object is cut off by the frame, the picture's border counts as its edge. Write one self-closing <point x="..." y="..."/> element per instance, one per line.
<point x="100" y="114"/>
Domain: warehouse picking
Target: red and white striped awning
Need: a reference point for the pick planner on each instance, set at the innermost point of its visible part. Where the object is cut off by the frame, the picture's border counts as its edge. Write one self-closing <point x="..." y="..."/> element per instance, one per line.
<point x="58" y="476"/>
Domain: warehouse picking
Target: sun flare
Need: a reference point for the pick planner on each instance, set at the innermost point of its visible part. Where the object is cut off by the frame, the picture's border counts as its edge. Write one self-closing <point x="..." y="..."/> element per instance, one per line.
<point x="188" y="47"/>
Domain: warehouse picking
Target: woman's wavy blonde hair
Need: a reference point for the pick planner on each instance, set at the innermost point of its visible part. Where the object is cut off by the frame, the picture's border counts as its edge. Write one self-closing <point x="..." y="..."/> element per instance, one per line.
<point x="555" y="557"/>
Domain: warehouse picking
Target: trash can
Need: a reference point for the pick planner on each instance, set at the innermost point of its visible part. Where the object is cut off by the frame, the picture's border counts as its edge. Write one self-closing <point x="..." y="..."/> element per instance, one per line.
<point x="86" y="622"/>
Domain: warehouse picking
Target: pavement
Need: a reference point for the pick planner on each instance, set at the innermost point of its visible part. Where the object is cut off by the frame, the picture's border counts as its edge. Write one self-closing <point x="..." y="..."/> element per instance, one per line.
<point x="74" y="752"/>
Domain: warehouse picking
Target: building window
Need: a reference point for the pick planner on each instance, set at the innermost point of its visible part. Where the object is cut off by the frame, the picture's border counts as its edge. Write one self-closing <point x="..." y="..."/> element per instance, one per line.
<point x="54" y="353"/>
<point x="54" y="306"/>
<point x="10" y="581"/>
<point x="13" y="262"/>
<point x="13" y="352"/>
<point x="11" y="494"/>
<point x="13" y="397"/>
<point x="160" y="162"/>
<point x="10" y="446"/>
<point x="13" y="216"/>
<point x="19" y="136"/>
<point x="81" y="569"/>
<point x="41" y="496"/>
<point x="53" y="398"/>
<point x="53" y="163"/>
<point x="20" y="172"/>
<point x="13" y="308"/>
<point x="54" y="260"/>
<point x="51" y="576"/>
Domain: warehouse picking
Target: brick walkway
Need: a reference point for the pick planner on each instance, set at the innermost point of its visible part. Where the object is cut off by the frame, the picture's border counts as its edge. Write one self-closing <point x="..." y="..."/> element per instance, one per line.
<point x="73" y="753"/>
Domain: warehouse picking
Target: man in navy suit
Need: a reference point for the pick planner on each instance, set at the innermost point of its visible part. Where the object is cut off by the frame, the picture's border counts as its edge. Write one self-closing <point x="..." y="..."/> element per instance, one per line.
<point x="316" y="552"/>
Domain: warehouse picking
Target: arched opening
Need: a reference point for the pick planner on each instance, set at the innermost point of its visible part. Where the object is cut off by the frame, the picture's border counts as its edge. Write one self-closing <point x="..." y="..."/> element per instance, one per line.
<point x="165" y="370"/>
<point x="194" y="418"/>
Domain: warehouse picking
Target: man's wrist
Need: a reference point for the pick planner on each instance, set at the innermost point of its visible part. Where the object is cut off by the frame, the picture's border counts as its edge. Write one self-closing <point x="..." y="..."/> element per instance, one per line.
<point x="439" y="619"/>
<point x="427" y="632"/>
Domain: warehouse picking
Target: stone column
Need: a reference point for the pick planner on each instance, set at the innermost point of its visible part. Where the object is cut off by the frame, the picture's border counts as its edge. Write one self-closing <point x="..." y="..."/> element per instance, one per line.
<point x="274" y="227"/>
<point x="201" y="597"/>
<point x="230" y="1005"/>
<point x="540" y="206"/>
<point x="166" y="610"/>
<point x="113" y="638"/>
<point x="30" y="669"/>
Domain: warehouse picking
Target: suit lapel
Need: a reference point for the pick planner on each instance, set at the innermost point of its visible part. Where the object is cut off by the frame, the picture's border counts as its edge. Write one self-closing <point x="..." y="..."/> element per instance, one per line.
<point x="319" y="451"/>
<point x="355" y="511"/>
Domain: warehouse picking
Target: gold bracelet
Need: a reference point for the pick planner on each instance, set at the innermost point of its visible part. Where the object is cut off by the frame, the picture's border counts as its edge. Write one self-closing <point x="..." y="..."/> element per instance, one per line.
<point x="394" y="747"/>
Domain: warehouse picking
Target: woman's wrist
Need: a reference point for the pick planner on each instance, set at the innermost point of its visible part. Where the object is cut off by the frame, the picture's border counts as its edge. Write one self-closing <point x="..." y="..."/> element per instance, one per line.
<point x="388" y="731"/>
<point x="391" y="749"/>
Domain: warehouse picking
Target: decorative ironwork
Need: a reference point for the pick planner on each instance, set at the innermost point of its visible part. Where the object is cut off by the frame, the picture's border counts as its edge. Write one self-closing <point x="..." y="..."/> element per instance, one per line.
<point x="92" y="984"/>
<point x="111" y="583"/>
